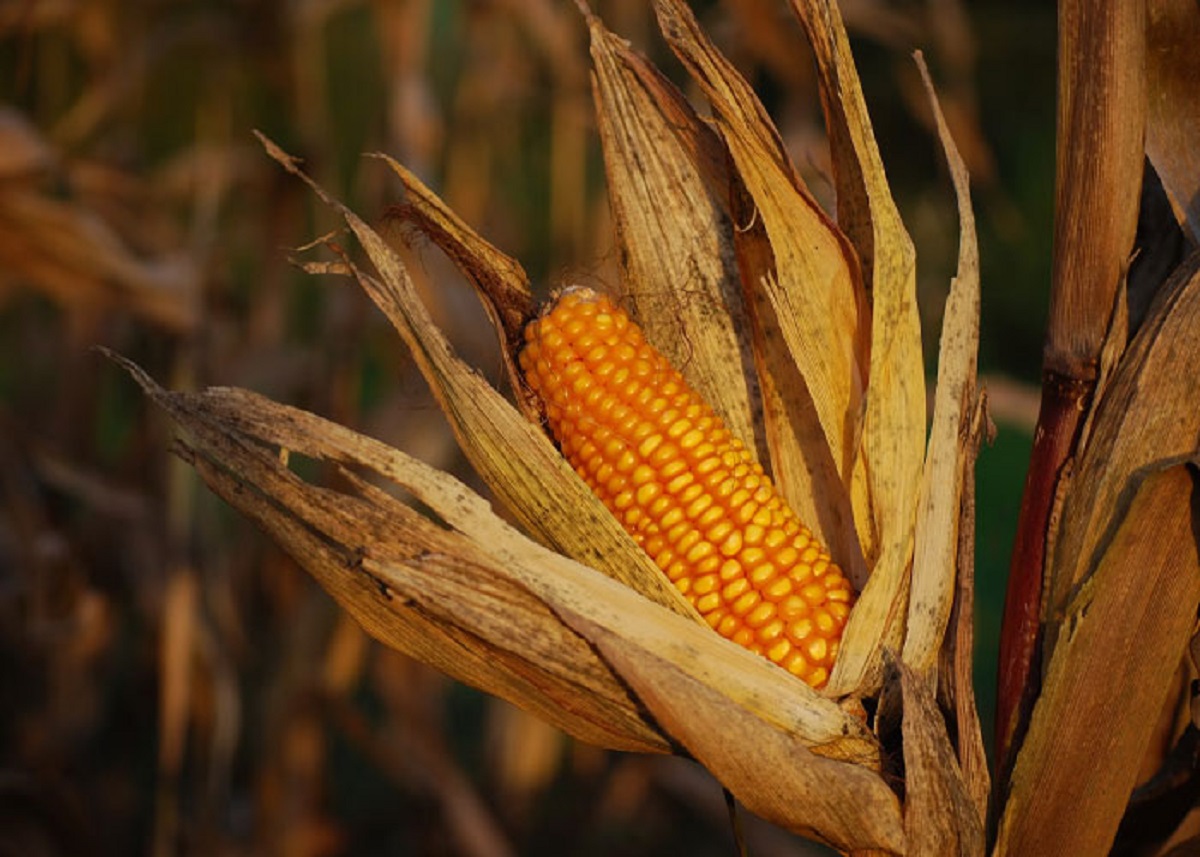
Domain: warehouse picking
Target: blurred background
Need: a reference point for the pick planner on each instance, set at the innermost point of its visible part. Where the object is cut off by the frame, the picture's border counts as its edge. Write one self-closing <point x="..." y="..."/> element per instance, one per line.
<point x="170" y="682"/>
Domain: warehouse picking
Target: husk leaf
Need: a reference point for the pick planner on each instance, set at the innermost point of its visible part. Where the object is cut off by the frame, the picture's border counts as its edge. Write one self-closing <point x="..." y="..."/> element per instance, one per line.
<point x="894" y="419"/>
<point x="808" y="319"/>
<point x="889" y="457"/>
<point x="940" y="818"/>
<point x="679" y="275"/>
<point x="1123" y="634"/>
<point x="816" y="294"/>
<point x="500" y="281"/>
<point x="801" y="462"/>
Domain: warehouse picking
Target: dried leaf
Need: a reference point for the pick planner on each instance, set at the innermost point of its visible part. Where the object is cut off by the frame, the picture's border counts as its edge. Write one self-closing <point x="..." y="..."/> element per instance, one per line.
<point x="951" y="457"/>
<point x="959" y="654"/>
<point x="1149" y="414"/>
<point x="509" y="452"/>
<point x="501" y="282"/>
<point x="940" y="818"/>
<point x="772" y="775"/>
<point x="801" y="461"/>
<point x="1173" y="121"/>
<point x="1122" y="638"/>
<point x="888" y="460"/>
<point x="894" y="419"/>
<point x="677" y="258"/>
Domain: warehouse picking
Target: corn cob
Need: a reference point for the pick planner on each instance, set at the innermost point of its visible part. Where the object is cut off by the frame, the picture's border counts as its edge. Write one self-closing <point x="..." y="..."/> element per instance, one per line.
<point x="688" y="492"/>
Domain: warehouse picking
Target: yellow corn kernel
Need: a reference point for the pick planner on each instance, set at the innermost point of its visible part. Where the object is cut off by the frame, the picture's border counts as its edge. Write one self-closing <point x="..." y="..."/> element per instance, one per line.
<point x="702" y="501"/>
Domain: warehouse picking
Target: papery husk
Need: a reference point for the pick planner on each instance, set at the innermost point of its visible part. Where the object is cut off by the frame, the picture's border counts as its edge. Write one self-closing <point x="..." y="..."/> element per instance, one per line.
<point x="1173" y="112"/>
<point x="940" y="817"/>
<point x="467" y="593"/>
<point x="889" y="457"/>
<point x="801" y="461"/>
<point x="893" y="431"/>
<point x="510" y="453"/>
<point x="950" y="459"/>
<point x="815" y="291"/>
<point x="1122" y="635"/>
<point x="500" y="281"/>
<point x="679" y="275"/>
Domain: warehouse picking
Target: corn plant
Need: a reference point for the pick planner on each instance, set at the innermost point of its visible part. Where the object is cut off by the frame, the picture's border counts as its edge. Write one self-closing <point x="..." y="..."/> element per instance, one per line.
<point x="595" y="607"/>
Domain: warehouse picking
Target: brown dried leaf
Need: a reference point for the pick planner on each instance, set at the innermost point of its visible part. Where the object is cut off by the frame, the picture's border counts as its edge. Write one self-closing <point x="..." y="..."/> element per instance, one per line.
<point x="501" y="282"/>
<point x="951" y="455"/>
<point x="510" y="453"/>
<point x="467" y="593"/>
<point x="1173" y="121"/>
<point x="774" y="776"/>
<point x="959" y="653"/>
<point x="940" y="818"/>
<point x="1123" y="635"/>
<point x="677" y="258"/>
<point x="1150" y="413"/>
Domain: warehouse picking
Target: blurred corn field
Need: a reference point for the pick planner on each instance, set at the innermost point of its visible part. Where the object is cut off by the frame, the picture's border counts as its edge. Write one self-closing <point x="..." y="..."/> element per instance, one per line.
<point x="173" y="683"/>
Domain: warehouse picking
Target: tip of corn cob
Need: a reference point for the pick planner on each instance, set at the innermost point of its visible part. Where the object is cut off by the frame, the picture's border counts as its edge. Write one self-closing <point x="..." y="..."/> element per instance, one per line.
<point x="688" y="492"/>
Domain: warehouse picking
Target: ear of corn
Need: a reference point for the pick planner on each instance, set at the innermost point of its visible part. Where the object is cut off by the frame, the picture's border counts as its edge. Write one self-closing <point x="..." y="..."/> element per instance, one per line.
<point x="688" y="492"/>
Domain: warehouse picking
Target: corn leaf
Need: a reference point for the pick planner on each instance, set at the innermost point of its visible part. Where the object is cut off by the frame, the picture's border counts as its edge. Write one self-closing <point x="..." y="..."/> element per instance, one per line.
<point x="501" y="282"/>
<point x="1150" y="413"/>
<point x="1124" y="632"/>
<point x="940" y="817"/>
<point x="894" y="419"/>
<point x="888" y="459"/>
